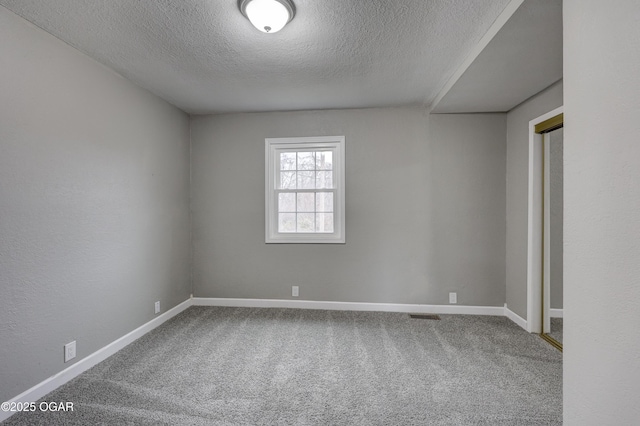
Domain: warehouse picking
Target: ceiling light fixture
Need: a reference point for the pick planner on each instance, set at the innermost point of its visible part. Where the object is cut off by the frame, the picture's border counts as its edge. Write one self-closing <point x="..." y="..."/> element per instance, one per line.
<point x="269" y="16"/>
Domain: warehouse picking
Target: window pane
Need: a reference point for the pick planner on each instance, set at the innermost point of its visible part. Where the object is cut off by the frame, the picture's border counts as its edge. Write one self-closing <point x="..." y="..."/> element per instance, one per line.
<point x="306" y="202"/>
<point x="324" y="202"/>
<point x="287" y="161"/>
<point x="324" y="180"/>
<point x="287" y="180"/>
<point x="287" y="222"/>
<point x="306" y="180"/>
<point x="287" y="202"/>
<point x="306" y="222"/>
<point x="306" y="161"/>
<point x="324" y="160"/>
<point x="324" y="222"/>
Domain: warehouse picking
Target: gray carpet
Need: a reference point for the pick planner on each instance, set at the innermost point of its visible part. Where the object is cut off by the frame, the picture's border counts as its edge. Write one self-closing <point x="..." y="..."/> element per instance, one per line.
<point x="244" y="366"/>
<point x="556" y="329"/>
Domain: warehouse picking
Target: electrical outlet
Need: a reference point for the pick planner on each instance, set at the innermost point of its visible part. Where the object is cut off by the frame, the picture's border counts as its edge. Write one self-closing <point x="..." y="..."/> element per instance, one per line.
<point x="157" y="306"/>
<point x="295" y="290"/>
<point x="69" y="351"/>
<point x="453" y="298"/>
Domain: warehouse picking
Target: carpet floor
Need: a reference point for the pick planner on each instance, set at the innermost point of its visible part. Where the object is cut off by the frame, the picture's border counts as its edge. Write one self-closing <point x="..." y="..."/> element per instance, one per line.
<point x="248" y="366"/>
<point x="556" y="329"/>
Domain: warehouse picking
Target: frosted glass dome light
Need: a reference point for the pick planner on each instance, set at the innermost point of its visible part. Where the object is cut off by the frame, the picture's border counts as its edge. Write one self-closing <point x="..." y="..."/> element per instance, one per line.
<point x="269" y="16"/>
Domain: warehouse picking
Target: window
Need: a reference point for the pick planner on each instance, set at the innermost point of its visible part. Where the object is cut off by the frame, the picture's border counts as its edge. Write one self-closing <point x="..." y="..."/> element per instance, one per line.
<point x="304" y="200"/>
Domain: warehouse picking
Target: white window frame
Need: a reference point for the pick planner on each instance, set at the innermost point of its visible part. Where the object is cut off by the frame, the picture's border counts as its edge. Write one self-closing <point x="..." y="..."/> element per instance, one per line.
<point x="275" y="145"/>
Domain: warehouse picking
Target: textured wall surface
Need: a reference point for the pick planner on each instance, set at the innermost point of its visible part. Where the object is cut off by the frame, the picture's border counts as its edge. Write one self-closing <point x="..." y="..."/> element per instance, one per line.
<point x="425" y="209"/>
<point x="205" y="57"/>
<point x="602" y="213"/>
<point x="556" y="190"/>
<point x="517" y="190"/>
<point x="94" y="219"/>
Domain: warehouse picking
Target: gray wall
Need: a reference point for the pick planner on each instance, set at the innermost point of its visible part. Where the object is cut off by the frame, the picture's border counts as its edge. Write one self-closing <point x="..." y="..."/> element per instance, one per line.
<point x="556" y="213"/>
<point x="517" y="192"/>
<point x="425" y="209"/>
<point x="94" y="218"/>
<point x="602" y="213"/>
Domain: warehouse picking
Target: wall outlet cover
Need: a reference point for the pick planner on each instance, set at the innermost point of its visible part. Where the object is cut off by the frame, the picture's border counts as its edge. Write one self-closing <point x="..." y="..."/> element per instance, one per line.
<point x="453" y="298"/>
<point x="69" y="351"/>
<point x="157" y="307"/>
<point x="295" y="291"/>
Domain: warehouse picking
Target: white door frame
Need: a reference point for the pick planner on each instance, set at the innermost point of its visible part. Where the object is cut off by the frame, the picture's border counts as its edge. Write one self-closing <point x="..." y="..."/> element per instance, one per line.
<point x="535" y="226"/>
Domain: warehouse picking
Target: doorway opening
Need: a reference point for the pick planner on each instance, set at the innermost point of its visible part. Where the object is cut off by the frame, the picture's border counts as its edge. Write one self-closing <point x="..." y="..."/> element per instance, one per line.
<point x="544" y="268"/>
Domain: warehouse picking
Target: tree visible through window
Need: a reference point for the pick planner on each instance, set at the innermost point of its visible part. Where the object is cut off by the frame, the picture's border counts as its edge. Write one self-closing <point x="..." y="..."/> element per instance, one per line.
<point x="305" y="190"/>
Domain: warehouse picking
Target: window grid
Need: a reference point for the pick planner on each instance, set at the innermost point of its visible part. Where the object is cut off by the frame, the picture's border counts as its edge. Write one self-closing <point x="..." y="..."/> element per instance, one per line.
<point x="291" y="209"/>
<point x="317" y="165"/>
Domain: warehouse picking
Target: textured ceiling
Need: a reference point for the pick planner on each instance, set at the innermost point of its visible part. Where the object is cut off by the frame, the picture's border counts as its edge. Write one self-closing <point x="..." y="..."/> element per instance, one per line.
<point x="205" y="57"/>
<point x="522" y="59"/>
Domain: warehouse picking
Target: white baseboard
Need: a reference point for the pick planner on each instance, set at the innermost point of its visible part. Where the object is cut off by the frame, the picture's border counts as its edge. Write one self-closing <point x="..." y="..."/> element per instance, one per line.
<point x="350" y="306"/>
<point x="556" y="313"/>
<point x="41" y="389"/>
<point x="515" y="317"/>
